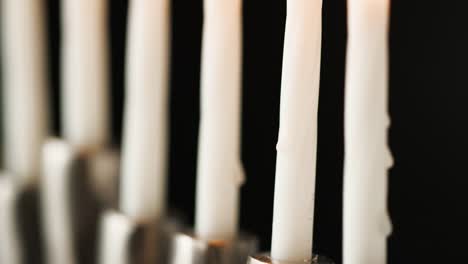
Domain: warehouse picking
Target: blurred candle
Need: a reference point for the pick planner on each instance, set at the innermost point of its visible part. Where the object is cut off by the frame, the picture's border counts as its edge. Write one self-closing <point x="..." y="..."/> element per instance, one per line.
<point x="24" y="99"/>
<point x="145" y="130"/>
<point x="220" y="171"/>
<point x="85" y="103"/>
<point x="293" y="213"/>
<point x="10" y="245"/>
<point x="367" y="157"/>
<point x="115" y="233"/>
<point x="58" y="158"/>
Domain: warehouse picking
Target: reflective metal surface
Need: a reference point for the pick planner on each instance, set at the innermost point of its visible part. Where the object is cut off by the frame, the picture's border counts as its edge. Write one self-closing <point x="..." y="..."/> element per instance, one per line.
<point x="265" y="259"/>
<point x="186" y="249"/>
<point x="20" y="223"/>
<point x="126" y="241"/>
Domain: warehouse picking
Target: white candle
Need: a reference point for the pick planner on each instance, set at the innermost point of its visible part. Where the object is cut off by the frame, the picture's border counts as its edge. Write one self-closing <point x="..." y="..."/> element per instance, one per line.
<point x="145" y="131"/>
<point x="85" y="106"/>
<point x="220" y="171"/>
<point x="366" y="223"/>
<point x="57" y="162"/>
<point x="10" y="249"/>
<point x="24" y="99"/>
<point x="115" y="238"/>
<point x="293" y="212"/>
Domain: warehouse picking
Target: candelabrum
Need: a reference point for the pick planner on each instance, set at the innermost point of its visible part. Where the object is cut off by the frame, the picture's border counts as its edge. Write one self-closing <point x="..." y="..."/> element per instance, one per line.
<point x="187" y="249"/>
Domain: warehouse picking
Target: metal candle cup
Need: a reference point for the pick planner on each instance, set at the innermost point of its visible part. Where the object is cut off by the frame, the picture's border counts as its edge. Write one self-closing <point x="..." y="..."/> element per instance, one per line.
<point x="22" y="207"/>
<point x="187" y="249"/>
<point x="265" y="259"/>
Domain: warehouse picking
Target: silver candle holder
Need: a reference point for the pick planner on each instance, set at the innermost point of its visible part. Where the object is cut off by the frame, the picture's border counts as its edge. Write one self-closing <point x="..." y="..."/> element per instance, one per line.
<point x="265" y="259"/>
<point x="73" y="197"/>
<point x="21" y="240"/>
<point x="128" y="241"/>
<point x="187" y="249"/>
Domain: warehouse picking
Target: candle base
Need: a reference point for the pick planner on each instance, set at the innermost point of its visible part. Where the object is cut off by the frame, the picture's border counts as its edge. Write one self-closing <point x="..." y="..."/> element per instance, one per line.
<point x="103" y="168"/>
<point x="265" y="259"/>
<point x="127" y="241"/>
<point x="71" y="202"/>
<point x="187" y="249"/>
<point x="22" y="208"/>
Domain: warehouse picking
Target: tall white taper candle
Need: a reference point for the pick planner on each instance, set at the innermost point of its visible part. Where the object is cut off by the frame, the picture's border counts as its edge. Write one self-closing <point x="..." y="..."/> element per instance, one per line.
<point x="293" y="214"/>
<point x="85" y="103"/>
<point x="220" y="172"/>
<point x="145" y="132"/>
<point x="367" y="157"/>
<point x="24" y="100"/>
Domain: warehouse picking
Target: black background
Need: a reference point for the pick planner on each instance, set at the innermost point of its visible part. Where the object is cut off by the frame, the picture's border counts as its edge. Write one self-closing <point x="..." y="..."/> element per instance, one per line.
<point x="428" y="104"/>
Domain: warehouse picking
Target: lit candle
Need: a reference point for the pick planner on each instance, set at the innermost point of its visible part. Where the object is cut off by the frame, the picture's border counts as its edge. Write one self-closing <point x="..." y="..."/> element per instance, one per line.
<point x="293" y="212"/>
<point x="24" y="99"/>
<point x="366" y="223"/>
<point x="85" y="74"/>
<point x="219" y="171"/>
<point x="145" y="132"/>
